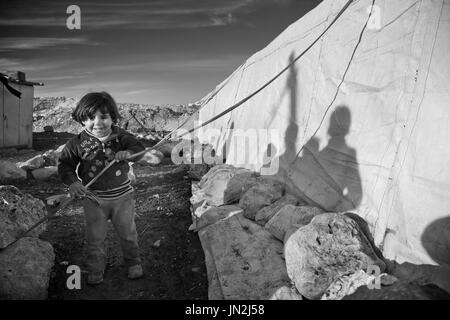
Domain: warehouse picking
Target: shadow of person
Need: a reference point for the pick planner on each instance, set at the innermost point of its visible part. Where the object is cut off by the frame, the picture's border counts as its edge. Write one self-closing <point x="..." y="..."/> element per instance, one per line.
<point x="339" y="165"/>
<point x="290" y="135"/>
<point x="330" y="178"/>
<point x="436" y="241"/>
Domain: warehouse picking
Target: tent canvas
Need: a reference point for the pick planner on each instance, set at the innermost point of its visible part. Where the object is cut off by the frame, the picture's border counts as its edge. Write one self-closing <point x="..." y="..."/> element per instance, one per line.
<point x="359" y="123"/>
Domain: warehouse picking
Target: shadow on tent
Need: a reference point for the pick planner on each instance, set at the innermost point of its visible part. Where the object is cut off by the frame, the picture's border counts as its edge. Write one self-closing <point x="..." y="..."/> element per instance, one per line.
<point x="327" y="178"/>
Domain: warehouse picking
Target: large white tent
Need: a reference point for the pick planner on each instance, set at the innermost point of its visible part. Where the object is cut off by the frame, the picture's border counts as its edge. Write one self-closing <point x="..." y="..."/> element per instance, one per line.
<point x="361" y="122"/>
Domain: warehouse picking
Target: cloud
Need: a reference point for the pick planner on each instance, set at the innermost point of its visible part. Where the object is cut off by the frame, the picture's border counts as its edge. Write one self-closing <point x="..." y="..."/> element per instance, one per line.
<point x="169" y="14"/>
<point x="29" y="43"/>
<point x="35" y="65"/>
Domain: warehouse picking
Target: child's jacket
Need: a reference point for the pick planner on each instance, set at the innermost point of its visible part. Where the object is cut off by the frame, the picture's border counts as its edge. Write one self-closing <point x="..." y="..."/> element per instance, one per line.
<point x="92" y="156"/>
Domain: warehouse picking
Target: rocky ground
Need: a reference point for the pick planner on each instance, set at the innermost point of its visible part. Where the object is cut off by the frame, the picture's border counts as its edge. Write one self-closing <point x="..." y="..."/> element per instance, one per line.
<point x="173" y="257"/>
<point x="136" y="118"/>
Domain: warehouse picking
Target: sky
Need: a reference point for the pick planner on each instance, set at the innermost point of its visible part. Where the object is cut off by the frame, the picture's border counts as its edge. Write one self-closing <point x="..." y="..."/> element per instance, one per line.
<point x="152" y="52"/>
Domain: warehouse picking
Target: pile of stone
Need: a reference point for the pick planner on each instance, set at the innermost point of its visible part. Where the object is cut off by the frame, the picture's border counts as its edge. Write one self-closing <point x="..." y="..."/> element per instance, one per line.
<point x="45" y="165"/>
<point x="40" y="167"/>
<point x="262" y="242"/>
<point x="25" y="266"/>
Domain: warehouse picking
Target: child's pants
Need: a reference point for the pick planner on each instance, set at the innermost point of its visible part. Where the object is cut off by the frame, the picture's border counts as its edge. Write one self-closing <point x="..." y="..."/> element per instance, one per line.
<point x="121" y="213"/>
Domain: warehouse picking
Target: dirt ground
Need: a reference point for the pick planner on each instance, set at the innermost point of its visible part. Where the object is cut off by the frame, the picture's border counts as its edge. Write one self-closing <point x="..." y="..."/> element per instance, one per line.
<point x="173" y="258"/>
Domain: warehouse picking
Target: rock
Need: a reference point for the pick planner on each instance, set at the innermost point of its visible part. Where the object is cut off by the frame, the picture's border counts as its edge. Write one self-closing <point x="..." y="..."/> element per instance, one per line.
<point x="44" y="173"/>
<point x="262" y="194"/>
<point x="33" y="163"/>
<point x="152" y="157"/>
<point x="48" y="129"/>
<point x="198" y="196"/>
<point x="286" y="293"/>
<point x="330" y="246"/>
<point x="51" y="157"/>
<point x="290" y="216"/>
<point x="9" y="171"/>
<point x="18" y="212"/>
<point x="25" y="269"/>
<point x="400" y="290"/>
<point x="197" y="211"/>
<point x="157" y="244"/>
<point x="347" y="285"/>
<point x="215" y="183"/>
<point x="213" y="214"/>
<point x="238" y="185"/>
<point x="243" y="260"/>
<point x="266" y="213"/>
<point x="150" y="137"/>
<point x="215" y="172"/>
<point x="387" y="279"/>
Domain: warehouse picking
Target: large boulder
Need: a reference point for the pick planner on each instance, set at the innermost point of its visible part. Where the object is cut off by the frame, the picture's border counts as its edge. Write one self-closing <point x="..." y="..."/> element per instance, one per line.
<point x="243" y="260"/>
<point x="33" y="163"/>
<point x="238" y="185"/>
<point x="330" y="246"/>
<point x="261" y="194"/>
<point x="215" y="183"/>
<point x="290" y="216"/>
<point x="266" y="213"/>
<point x="25" y="269"/>
<point x="9" y="171"/>
<point x="18" y="212"/>
<point x="44" y="173"/>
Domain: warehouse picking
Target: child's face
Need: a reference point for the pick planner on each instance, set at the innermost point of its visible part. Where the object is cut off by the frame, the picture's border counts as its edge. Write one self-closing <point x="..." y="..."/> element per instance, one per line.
<point x="99" y="125"/>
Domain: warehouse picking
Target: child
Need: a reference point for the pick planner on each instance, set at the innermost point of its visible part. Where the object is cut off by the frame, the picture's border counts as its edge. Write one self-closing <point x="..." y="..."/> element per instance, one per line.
<point x="83" y="157"/>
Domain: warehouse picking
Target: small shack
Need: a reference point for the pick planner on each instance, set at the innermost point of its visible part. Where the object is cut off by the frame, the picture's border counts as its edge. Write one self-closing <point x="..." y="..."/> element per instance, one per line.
<point x="16" y="110"/>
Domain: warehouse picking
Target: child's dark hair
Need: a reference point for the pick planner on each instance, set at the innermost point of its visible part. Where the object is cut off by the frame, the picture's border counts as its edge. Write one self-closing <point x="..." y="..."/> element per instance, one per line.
<point x="93" y="101"/>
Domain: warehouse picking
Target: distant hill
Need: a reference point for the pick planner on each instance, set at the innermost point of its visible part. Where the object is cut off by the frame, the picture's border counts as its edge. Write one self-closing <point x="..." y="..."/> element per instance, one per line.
<point x="56" y="112"/>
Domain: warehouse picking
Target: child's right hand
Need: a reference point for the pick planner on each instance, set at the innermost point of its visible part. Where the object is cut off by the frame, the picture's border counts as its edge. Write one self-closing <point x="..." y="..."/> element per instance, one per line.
<point x="77" y="189"/>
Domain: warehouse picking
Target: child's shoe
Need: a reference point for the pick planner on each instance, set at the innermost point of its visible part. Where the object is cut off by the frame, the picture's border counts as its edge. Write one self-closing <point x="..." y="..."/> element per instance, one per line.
<point x="95" y="277"/>
<point x="135" y="272"/>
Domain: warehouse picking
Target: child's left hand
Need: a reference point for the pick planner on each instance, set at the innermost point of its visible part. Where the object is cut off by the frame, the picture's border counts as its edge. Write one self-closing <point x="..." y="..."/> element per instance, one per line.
<point x="122" y="155"/>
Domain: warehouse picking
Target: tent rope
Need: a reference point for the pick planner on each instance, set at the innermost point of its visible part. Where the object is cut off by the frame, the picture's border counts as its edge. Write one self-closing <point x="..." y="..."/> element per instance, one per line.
<point x="271" y="80"/>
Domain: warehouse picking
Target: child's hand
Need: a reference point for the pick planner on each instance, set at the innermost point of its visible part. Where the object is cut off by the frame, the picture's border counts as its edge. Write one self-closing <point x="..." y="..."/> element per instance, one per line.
<point x="77" y="189"/>
<point x="122" y="155"/>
